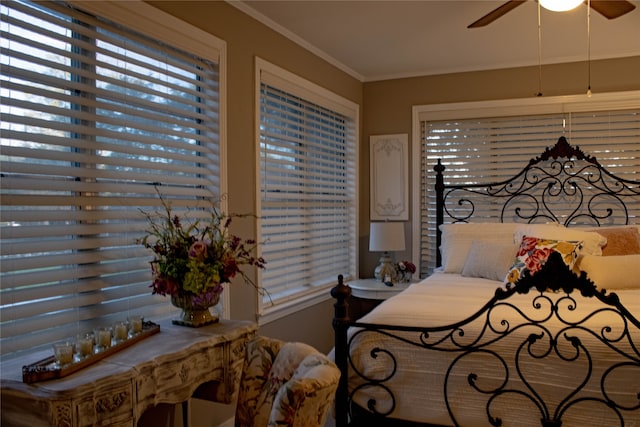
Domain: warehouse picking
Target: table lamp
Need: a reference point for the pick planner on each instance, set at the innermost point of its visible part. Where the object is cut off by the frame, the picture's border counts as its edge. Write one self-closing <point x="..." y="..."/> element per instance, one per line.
<point x="386" y="237"/>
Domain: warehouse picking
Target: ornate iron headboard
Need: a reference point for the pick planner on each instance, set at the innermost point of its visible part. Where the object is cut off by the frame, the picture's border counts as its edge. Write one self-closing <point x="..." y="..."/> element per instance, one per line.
<point x="561" y="185"/>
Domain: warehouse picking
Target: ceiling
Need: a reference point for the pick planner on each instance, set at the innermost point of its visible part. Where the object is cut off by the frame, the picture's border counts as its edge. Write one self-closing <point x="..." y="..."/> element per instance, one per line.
<point x="384" y="39"/>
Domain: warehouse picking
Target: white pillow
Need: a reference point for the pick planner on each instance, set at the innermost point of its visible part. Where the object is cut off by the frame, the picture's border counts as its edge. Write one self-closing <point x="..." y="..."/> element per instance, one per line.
<point x="535" y="230"/>
<point x="489" y="260"/>
<point x="612" y="272"/>
<point x="457" y="239"/>
<point x="592" y="242"/>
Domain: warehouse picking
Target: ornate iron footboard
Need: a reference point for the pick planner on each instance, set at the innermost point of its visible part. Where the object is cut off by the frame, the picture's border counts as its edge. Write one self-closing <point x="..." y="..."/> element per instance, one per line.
<point x="550" y="335"/>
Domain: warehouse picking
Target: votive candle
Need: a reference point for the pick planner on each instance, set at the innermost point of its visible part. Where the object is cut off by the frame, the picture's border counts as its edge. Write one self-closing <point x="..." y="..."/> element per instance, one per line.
<point x="103" y="337"/>
<point x="84" y="345"/>
<point x="120" y="331"/>
<point x="63" y="353"/>
<point x="135" y="324"/>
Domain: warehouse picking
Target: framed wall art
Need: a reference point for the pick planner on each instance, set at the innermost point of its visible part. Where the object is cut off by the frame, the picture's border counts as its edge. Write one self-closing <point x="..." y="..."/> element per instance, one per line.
<point x="389" y="176"/>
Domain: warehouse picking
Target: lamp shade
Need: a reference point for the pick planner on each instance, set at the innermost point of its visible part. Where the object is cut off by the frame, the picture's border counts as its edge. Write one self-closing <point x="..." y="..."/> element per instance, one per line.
<point x="386" y="236"/>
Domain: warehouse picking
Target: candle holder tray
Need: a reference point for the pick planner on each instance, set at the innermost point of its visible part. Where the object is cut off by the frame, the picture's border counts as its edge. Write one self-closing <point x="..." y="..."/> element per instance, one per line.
<point x="48" y="369"/>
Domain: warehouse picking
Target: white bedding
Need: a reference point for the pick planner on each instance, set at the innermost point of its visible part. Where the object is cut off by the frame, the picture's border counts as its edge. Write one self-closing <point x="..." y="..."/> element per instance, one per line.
<point x="418" y="385"/>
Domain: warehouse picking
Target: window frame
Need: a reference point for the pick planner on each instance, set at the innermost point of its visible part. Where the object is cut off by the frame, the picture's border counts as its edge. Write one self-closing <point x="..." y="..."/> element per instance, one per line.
<point x="304" y="298"/>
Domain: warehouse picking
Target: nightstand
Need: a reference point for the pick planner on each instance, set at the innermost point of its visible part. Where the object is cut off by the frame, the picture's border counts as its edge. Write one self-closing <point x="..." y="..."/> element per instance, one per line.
<point x="366" y="294"/>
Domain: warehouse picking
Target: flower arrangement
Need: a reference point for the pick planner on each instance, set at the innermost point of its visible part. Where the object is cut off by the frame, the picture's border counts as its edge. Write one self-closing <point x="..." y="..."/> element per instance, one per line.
<point x="404" y="270"/>
<point x="195" y="257"/>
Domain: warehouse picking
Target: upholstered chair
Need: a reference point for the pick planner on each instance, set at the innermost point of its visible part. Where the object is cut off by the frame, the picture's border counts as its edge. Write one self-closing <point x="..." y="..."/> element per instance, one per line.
<point x="285" y="384"/>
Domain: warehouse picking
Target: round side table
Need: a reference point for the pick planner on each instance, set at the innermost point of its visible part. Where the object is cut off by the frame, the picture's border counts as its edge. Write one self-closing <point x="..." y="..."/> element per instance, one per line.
<point x="366" y="294"/>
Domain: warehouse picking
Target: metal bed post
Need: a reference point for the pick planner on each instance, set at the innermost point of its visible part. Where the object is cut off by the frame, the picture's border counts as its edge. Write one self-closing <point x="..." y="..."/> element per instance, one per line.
<point x="439" y="168"/>
<point x="340" y="326"/>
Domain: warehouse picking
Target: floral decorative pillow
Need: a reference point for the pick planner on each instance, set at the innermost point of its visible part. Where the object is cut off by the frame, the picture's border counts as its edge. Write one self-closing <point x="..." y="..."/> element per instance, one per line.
<point x="534" y="252"/>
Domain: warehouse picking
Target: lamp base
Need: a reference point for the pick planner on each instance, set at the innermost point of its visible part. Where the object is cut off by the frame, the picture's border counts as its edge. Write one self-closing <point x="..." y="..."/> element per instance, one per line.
<point x="385" y="271"/>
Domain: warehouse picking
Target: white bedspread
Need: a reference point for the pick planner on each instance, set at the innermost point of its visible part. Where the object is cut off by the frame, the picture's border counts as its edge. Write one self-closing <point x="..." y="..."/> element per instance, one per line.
<point x="448" y="298"/>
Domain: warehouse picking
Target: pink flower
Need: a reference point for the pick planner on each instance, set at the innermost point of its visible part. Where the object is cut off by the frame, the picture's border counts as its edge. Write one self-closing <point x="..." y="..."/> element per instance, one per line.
<point x="198" y="250"/>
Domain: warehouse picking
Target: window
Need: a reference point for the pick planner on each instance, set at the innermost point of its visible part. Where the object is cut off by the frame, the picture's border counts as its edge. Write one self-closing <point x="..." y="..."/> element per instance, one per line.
<point x="307" y="205"/>
<point x="492" y="141"/>
<point x="95" y="117"/>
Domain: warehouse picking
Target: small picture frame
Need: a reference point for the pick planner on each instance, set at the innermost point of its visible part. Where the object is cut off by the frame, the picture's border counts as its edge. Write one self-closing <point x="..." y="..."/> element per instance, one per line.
<point x="389" y="177"/>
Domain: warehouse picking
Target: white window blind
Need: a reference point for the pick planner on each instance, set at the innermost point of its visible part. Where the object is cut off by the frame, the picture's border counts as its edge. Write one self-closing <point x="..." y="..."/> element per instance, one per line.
<point x="307" y="188"/>
<point x="481" y="148"/>
<point x="95" y="117"/>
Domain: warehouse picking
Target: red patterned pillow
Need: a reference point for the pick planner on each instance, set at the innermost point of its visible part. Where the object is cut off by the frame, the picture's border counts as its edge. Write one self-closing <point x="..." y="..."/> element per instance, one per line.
<point x="534" y="252"/>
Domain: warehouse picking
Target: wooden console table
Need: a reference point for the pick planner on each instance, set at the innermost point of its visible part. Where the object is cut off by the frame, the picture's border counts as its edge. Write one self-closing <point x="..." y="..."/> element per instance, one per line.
<point x="168" y="367"/>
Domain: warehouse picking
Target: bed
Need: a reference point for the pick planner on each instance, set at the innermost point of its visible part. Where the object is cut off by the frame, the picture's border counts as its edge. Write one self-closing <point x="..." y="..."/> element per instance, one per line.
<point x="531" y="319"/>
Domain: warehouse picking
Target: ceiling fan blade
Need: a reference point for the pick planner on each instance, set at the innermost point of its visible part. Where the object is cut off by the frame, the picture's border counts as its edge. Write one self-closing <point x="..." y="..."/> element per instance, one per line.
<point x="499" y="11"/>
<point x="612" y="9"/>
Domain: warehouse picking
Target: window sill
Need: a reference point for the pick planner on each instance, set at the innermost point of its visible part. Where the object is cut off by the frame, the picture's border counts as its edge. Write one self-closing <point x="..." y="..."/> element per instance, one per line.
<point x="282" y="309"/>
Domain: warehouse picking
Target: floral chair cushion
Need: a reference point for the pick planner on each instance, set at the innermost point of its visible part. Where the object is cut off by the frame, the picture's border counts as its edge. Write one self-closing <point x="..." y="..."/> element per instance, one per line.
<point x="285" y="384"/>
<point x="306" y="398"/>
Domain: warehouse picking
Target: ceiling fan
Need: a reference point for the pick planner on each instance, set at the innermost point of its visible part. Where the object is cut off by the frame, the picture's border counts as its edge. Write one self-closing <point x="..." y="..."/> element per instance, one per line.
<point x="610" y="9"/>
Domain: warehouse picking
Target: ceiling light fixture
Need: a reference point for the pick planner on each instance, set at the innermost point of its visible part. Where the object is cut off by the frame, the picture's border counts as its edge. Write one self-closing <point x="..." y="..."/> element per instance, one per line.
<point x="560" y="5"/>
